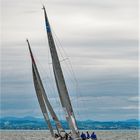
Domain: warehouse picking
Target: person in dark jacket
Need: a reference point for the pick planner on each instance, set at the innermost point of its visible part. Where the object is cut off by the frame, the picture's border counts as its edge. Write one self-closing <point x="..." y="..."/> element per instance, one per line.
<point x="88" y="136"/>
<point x="93" y="136"/>
<point x="70" y="138"/>
<point x="83" y="136"/>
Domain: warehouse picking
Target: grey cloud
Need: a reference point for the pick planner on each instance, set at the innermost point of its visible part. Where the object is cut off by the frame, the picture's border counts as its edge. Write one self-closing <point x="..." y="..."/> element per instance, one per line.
<point x="101" y="40"/>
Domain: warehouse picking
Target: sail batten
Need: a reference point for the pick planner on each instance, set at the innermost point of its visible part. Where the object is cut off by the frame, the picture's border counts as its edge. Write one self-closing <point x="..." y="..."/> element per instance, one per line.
<point x="60" y="82"/>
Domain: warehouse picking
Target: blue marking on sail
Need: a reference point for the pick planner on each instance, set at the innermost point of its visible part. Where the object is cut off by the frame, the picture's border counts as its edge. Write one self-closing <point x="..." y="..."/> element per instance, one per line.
<point x="48" y="27"/>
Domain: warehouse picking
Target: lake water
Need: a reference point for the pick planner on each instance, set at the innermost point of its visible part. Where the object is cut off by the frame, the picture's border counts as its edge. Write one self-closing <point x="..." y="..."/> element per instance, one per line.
<point x="45" y="135"/>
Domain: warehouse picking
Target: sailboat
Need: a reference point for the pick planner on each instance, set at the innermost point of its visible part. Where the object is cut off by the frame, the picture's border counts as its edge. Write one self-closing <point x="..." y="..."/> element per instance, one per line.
<point x="61" y="87"/>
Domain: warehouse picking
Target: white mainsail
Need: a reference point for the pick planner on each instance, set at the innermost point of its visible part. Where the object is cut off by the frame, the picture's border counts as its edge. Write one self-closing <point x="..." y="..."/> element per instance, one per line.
<point x="42" y="97"/>
<point x="60" y="82"/>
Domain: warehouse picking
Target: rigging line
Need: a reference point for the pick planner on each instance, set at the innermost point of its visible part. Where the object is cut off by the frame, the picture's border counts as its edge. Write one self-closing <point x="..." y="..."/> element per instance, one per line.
<point x="63" y="51"/>
<point x="41" y="71"/>
<point x="69" y="65"/>
<point x="63" y="57"/>
<point x="55" y="91"/>
<point x="71" y="69"/>
<point x="78" y="90"/>
<point x="48" y="86"/>
<point x="60" y="60"/>
<point x="61" y="47"/>
<point x="60" y="43"/>
<point x="77" y="94"/>
<point x="49" y="79"/>
<point x="50" y="71"/>
<point x="53" y="85"/>
<point x="53" y="32"/>
<point x="68" y="70"/>
<point x="57" y="40"/>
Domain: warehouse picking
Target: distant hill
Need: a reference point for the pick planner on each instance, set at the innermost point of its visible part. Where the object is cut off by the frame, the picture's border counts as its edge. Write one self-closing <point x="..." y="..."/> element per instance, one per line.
<point x="32" y="123"/>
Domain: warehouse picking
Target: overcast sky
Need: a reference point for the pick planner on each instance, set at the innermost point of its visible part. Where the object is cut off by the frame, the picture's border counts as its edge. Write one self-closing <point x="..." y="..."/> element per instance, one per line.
<point x="100" y="39"/>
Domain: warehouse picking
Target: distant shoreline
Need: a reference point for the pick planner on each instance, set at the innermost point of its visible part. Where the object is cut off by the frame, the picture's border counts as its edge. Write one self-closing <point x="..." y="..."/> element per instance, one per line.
<point x="31" y="123"/>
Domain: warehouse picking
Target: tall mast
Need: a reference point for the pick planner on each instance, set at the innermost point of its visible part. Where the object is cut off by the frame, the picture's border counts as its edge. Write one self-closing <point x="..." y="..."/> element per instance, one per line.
<point x="60" y="82"/>
<point x="42" y="97"/>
